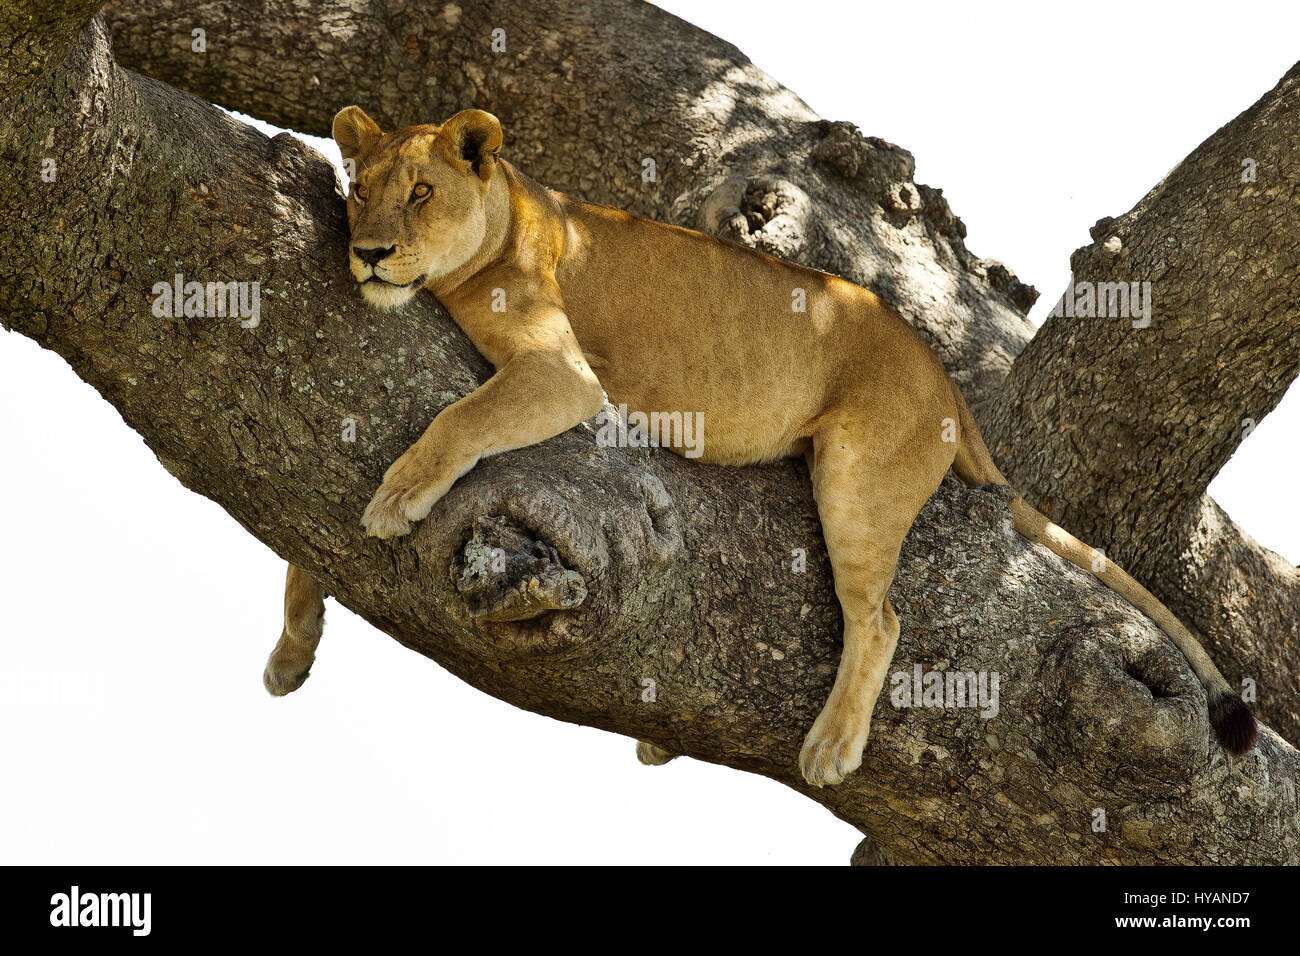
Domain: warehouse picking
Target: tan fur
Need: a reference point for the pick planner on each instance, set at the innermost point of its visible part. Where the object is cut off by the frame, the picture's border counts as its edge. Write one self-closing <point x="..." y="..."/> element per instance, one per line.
<point x="663" y="319"/>
<point x="304" y="620"/>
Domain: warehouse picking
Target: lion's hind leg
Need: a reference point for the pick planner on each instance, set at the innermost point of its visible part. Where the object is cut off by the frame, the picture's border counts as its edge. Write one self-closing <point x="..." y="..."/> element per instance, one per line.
<point x="869" y="487"/>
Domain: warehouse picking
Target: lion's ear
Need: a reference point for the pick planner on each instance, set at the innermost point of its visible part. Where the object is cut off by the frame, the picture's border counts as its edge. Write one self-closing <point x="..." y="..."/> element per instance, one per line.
<point x="355" y="132"/>
<point x="474" y="137"/>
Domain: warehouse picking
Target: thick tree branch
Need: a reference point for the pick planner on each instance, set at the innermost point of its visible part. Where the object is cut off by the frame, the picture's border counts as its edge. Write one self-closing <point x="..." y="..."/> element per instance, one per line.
<point x="686" y="567"/>
<point x="32" y="39"/>
<point x="1132" y="423"/>
<point x="1085" y="425"/>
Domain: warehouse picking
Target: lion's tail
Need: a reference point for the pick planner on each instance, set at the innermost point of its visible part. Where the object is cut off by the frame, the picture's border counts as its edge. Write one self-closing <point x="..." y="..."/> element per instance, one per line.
<point x="1233" y="722"/>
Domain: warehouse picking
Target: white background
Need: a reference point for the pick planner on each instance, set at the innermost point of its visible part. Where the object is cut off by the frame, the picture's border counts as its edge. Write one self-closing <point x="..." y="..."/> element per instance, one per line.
<point x="135" y="617"/>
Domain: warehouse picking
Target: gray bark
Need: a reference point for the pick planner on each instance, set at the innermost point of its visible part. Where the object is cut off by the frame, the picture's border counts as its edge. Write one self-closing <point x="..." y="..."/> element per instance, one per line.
<point x="686" y="568"/>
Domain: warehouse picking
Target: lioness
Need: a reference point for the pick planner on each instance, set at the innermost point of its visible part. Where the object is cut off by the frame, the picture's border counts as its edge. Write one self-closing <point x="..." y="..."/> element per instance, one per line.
<point x="666" y="319"/>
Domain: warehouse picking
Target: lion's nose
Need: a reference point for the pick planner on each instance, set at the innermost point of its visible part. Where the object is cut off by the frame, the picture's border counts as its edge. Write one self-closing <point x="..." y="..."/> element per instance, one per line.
<point x="372" y="254"/>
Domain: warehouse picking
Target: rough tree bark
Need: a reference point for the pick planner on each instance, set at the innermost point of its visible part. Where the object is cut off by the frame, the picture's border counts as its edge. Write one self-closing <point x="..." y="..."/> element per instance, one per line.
<point x="1120" y="429"/>
<point x="671" y="571"/>
<point x="583" y="113"/>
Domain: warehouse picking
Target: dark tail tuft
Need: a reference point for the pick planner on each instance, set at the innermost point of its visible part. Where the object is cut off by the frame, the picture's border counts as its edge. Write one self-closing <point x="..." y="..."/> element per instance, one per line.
<point x="1233" y="722"/>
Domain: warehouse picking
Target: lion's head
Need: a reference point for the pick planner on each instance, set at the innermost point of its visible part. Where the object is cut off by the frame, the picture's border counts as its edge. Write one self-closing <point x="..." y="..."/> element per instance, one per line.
<point x="416" y="206"/>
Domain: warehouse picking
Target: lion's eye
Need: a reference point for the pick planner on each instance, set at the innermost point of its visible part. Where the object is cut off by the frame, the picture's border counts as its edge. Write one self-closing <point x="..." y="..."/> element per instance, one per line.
<point x="359" y="192"/>
<point x="421" y="190"/>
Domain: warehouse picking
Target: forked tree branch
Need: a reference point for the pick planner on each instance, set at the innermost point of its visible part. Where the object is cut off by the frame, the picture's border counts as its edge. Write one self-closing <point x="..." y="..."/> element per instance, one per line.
<point x="686" y="568"/>
<point x="1114" y="448"/>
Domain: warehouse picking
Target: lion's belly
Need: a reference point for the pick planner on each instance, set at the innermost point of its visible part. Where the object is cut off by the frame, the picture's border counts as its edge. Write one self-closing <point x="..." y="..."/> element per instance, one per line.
<point x="752" y="383"/>
<point x="728" y="422"/>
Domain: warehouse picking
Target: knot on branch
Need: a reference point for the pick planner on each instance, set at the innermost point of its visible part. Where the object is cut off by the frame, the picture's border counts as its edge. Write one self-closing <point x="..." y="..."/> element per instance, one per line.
<point x="885" y="173"/>
<point x="547" y="548"/>
<point x="506" y="574"/>
<point x="940" y="215"/>
<point x="1128" y="706"/>
<point x="870" y="853"/>
<point x="1022" y="296"/>
<point x="1102" y="228"/>
<point x="762" y="212"/>
<point x="870" y="161"/>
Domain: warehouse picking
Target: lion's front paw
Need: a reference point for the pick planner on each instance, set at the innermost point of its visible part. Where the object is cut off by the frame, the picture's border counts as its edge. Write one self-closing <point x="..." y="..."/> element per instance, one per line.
<point x="412" y="486"/>
<point x="383" y="516"/>
<point x="833" y="748"/>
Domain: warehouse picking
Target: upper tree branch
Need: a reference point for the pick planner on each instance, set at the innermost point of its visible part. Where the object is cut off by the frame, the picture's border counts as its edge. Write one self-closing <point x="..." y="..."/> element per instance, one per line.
<point x="1118" y="431"/>
<point x="587" y="93"/>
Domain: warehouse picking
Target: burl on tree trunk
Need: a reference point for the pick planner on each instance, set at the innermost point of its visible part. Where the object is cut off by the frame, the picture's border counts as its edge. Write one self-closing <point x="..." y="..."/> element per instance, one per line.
<point x="652" y="571"/>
